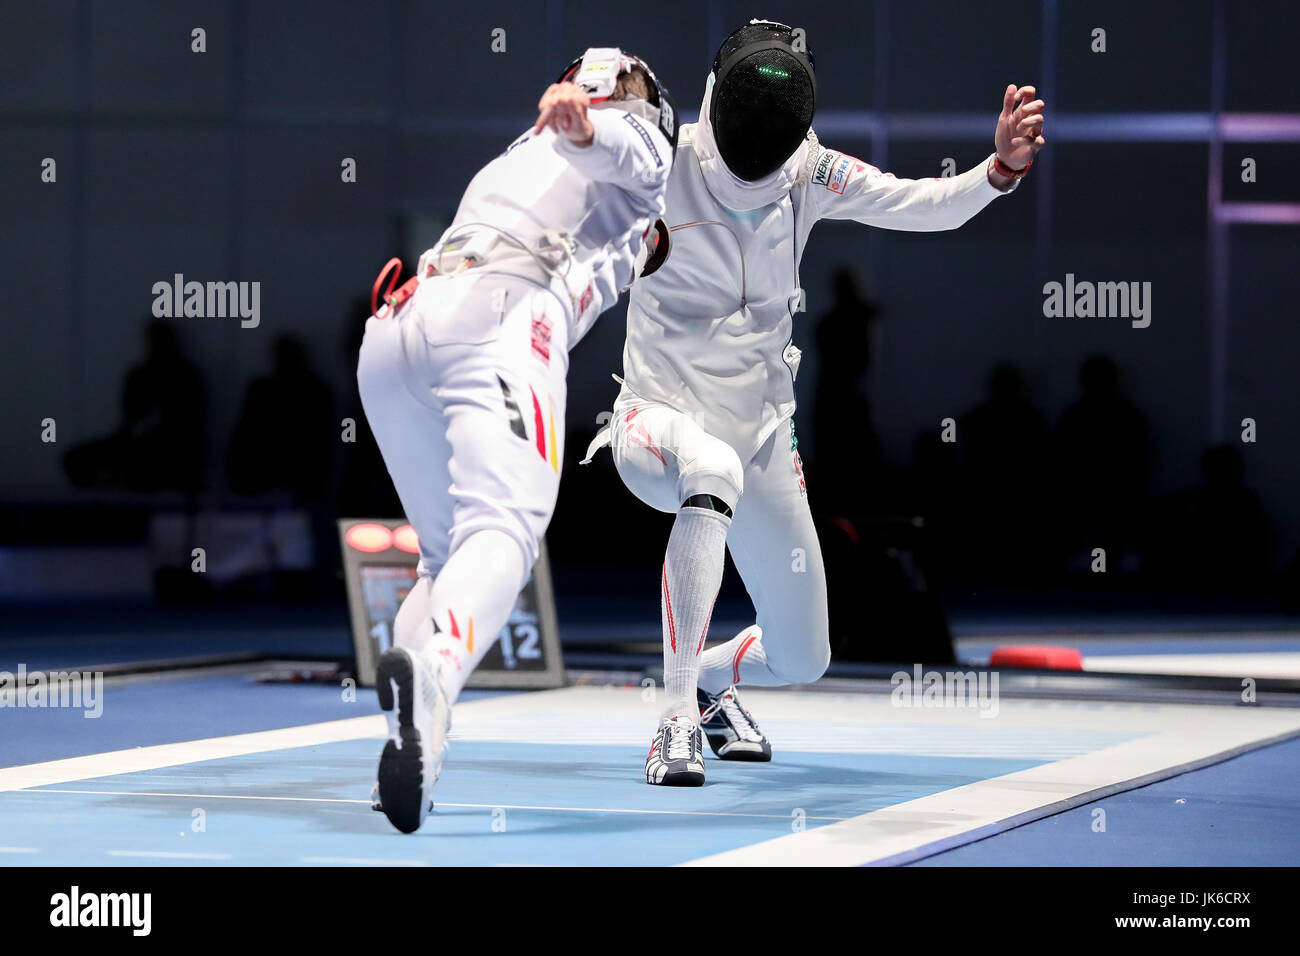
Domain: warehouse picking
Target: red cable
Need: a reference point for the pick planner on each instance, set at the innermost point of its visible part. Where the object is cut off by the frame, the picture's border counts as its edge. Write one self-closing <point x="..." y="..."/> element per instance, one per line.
<point x="379" y="279"/>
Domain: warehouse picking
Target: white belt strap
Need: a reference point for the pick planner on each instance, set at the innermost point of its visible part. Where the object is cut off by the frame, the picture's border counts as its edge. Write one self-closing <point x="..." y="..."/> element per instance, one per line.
<point x="603" y="438"/>
<point x="606" y="435"/>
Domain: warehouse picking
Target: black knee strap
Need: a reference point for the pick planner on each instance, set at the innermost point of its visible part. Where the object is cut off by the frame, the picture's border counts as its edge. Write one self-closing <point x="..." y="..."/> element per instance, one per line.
<point x="711" y="502"/>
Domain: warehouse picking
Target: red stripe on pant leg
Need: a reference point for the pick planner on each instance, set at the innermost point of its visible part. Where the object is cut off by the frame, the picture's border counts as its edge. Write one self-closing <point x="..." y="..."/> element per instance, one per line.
<point x="455" y="631"/>
<point x="538" y="427"/>
<point x="668" y="603"/>
<point x="740" y="653"/>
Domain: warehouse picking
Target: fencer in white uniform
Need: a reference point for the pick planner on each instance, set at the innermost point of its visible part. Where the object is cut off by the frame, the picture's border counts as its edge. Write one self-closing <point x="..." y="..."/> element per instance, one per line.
<point x="703" y="426"/>
<point x="462" y="377"/>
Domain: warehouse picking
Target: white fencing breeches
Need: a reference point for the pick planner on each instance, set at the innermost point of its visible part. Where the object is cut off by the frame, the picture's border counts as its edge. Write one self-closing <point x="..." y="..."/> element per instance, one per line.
<point x="464" y="389"/>
<point x="663" y="456"/>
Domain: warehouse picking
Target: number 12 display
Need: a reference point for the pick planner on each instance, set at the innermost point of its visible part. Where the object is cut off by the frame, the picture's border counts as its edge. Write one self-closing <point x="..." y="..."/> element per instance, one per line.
<point x="379" y="559"/>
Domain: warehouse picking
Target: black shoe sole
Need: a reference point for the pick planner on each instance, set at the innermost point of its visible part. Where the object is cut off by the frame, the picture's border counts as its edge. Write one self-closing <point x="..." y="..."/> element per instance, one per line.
<point x="744" y="756"/>
<point x="401" y="769"/>
<point x="682" y="779"/>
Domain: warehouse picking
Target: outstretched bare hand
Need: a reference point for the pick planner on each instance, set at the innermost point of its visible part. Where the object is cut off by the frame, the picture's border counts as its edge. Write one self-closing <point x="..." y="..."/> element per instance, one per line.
<point x="1018" y="136"/>
<point x="563" y="107"/>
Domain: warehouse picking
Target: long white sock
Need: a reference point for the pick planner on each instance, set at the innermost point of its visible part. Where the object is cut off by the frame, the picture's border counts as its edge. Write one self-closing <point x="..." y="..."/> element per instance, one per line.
<point x="692" y="574"/>
<point x="740" y="660"/>
<point x="460" y="611"/>
<point x="413" y="627"/>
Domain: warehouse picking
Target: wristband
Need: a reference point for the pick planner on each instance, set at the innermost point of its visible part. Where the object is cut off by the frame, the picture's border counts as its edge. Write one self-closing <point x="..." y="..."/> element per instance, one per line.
<point x="1002" y="169"/>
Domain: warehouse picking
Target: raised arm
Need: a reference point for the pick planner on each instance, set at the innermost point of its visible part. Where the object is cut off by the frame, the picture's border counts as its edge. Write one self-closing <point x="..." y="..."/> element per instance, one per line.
<point x="844" y="187"/>
<point x="611" y="146"/>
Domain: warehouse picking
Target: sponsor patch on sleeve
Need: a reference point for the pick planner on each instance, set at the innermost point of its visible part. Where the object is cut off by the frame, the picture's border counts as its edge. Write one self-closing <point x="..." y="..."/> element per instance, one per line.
<point x="645" y="135"/>
<point x="822" y="168"/>
<point x="844" y="170"/>
<point x="834" y="170"/>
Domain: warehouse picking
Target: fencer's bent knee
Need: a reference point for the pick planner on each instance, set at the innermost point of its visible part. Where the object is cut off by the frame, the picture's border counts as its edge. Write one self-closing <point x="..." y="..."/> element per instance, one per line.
<point x="664" y="458"/>
<point x="822" y="662"/>
<point x="803" y="657"/>
<point x="803" y="669"/>
<point x="714" y="469"/>
<point x="519" y="534"/>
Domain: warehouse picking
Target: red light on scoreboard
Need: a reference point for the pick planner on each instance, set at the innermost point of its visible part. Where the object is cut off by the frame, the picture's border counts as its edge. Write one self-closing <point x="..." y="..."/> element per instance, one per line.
<point x="405" y="539"/>
<point x="370" y="538"/>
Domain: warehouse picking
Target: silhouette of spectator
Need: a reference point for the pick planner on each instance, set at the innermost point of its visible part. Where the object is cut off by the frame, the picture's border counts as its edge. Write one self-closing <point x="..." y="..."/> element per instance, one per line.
<point x="1103" y="459"/>
<point x="930" y="490"/>
<point x="1216" y="535"/>
<point x="847" y="447"/>
<point x="284" y="439"/>
<point x="159" y="444"/>
<point x="1003" y="444"/>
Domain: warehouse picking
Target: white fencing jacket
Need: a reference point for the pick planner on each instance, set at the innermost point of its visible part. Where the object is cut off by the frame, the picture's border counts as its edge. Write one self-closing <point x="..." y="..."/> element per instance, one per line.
<point x="709" y="332"/>
<point x="603" y="198"/>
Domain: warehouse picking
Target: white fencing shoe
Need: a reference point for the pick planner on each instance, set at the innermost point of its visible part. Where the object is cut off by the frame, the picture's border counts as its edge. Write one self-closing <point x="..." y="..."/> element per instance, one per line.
<point x="418" y="720"/>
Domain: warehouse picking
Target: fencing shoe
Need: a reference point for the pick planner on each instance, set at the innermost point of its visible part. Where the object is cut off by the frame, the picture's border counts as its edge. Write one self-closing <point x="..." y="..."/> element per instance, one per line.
<point x="731" y="729"/>
<point x="675" y="758"/>
<point x="419" y="717"/>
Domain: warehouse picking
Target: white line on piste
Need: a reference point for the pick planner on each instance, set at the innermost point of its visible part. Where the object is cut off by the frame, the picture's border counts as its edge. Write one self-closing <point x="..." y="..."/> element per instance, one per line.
<point x="204" y="796"/>
<point x="158" y="756"/>
<point x="675" y="813"/>
<point x="360" y="861"/>
<point x="19" y="849"/>
<point x="461" y="806"/>
<point x="170" y="855"/>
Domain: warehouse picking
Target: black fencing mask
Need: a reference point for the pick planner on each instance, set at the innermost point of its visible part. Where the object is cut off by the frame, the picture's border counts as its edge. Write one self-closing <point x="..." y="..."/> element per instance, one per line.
<point x="764" y="93"/>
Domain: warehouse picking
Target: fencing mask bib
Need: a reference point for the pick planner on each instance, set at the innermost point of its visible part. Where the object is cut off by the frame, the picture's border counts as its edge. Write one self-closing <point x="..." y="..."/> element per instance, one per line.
<point x="764" y="94"/>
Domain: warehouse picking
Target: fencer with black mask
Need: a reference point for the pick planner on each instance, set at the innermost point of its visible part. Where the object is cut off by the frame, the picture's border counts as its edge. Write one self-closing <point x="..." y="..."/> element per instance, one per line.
<point x="703" y="425"/>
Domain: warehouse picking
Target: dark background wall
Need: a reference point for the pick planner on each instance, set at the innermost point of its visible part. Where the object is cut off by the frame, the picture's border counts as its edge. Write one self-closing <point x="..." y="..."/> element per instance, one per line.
<point x="225" y="165"/>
